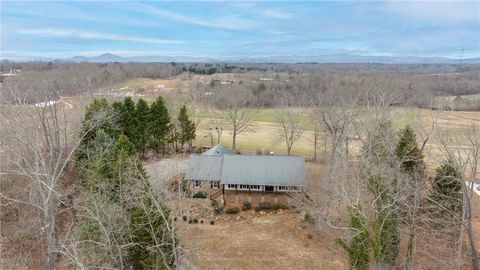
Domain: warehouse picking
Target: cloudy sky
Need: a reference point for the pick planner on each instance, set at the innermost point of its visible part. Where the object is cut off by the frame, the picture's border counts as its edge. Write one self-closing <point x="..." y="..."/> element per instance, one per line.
<point x="237" y="29"/>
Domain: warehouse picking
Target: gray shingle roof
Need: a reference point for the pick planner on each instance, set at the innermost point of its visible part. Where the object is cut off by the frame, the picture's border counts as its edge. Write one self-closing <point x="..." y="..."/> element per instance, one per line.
<point x="263" y="170"/>
<point x="201" y="167"/>
<point x="218" y="150"/>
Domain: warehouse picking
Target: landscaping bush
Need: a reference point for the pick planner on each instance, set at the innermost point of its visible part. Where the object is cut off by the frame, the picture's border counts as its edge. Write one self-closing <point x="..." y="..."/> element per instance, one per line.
<point x="184" y="218"/>
<point x="212" y="222"/>
<point x="256" y="208"/>
<point x="195" y="220"/>
<point x="309" y="217"/>
<point x="265" y="205"/>
<point x="214" y="203"/>
<point x="218" y="209"/>
<point x="247" y="205"/>
<point x="232" y="210"/>
<point x="200" y="195"/>
<point x="277" y="206"/>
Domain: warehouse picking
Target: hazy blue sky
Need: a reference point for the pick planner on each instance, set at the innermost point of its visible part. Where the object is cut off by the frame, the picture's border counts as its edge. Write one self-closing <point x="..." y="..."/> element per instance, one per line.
<point x="236" y="29"/>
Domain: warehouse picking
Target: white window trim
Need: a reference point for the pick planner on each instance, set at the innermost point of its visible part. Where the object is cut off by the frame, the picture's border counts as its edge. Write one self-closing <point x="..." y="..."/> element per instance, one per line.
<point x="197" y="183"/>
<point x="231" y="186"/>
<point x="215" y="185"/>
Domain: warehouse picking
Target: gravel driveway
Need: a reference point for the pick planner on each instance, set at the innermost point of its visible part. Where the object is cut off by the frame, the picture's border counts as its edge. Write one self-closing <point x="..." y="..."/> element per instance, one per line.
<point x="163" y="170"/>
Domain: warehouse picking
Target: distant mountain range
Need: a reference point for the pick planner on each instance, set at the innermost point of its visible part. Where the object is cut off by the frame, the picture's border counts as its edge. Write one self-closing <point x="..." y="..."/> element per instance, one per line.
<point x="332" y="58"/>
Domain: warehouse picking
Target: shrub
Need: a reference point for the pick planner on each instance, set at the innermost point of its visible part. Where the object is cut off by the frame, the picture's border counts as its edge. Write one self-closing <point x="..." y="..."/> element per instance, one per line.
<point x="265" y="205"/>
<point x="184" y="218"/>
<point x="277" y="206"/>
<point x="195" y="220"/>
<point x="232" y="210"/>
<point x="256" y="208"/>
<point x="201" y="221"/>
<point x="309" y="217"/>
<point x="218" y="209"/>
<point x="212" y="222"/>
<point x="200" y="195"/>
<point x="214" y="203"/>
<point x="247" y="205"/>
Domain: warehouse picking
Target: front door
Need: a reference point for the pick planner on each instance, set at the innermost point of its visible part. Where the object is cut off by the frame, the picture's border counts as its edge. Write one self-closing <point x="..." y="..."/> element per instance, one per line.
<point x="269" y="188"/>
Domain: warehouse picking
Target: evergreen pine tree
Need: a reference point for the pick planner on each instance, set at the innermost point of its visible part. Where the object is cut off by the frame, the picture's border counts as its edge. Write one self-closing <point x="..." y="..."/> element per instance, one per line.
<point x="124" y="166"/>
<point x="127" y="118"/>
<point x="148" y="228"/>
<point x="385" y="231"/>
<point x="142" y="112"/>
<point x="447" y="189"/>
<point x="159" y="124"/>
<point x="408" y="153"/>
<point x="186" y="127"/>
<point x="359" y="247"/>
<point x="95" y="169"/>
<point x="379" y="160"/>
<point x="98" y="116"/>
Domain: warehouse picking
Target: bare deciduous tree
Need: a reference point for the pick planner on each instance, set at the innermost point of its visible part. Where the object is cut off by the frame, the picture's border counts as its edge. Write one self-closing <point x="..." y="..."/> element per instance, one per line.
<point x="338" y="109"/>
<point x="464" y="150"/>
<point x="39" y="142"/>
<point x="236" y="111"/>
<point x="292" y="124"/>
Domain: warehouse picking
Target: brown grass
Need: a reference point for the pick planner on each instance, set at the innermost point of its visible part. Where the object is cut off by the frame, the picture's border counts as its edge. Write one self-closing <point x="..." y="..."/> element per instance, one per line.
<point x="274" y="241"/>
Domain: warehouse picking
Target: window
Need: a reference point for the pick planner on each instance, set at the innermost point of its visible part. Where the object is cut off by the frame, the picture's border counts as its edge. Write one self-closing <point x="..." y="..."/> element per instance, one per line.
<point x="231" y="186"/>
<point x="244" y="186"/>
<point x="197" y="184"/>
<point x="215" y="184"/>
<point x="255" y="187"/>
<point x="282" y="188"/>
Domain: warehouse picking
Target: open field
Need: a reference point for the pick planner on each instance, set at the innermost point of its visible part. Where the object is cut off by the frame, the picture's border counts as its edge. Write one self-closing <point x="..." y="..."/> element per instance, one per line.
<point x="148" y="83"/>
<point x="464" y="102"/>
<point x="265" y="134"/>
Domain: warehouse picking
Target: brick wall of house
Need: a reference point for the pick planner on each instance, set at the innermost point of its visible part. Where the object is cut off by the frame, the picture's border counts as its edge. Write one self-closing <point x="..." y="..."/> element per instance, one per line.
<point x="233" y="197"/>
<point x="205" y="186"/>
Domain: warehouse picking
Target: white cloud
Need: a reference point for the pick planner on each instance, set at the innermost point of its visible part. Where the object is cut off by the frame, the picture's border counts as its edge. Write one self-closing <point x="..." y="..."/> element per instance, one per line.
<point x="435" y="11"/>
<point x="94" y="35"/>
<point x="277" y="14"/>
<point x="225" y="22"/>
<point x="26" y="55"/>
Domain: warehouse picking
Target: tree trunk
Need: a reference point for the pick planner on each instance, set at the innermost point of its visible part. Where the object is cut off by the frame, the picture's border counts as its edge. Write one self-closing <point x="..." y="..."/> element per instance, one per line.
<point x="471" y="239"/>
<point x="409" y="260"/>
<point x="234" y="137"/>
<point x="50" y="233"/>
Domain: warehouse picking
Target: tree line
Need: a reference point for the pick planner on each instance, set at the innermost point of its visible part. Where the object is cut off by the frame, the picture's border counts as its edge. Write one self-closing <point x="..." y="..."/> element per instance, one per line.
<point x="122" y="222"/>
<point x="147" y="126"/>
<point x="397" y="183"/>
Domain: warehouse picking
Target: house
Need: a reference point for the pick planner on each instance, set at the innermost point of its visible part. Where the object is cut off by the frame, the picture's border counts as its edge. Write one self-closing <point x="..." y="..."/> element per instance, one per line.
<point x="234" y="179"/>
